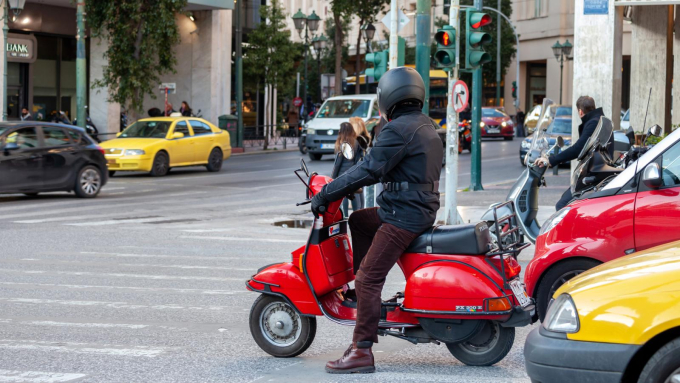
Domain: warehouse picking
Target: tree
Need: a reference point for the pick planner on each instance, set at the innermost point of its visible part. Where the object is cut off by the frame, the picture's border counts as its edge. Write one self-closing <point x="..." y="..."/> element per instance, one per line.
<point x="366" y="11"/>
<point x="271" y="56"/>
<point x="330" y="59"/>
<point x="142" y="35"/>
<point x="341" y="9"/>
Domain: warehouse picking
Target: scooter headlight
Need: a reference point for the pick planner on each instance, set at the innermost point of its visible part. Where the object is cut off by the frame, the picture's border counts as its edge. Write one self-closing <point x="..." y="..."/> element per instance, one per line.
<point x="554" y="220"/>
<point x="562" y="316"/>
<point x="526" y="144"/>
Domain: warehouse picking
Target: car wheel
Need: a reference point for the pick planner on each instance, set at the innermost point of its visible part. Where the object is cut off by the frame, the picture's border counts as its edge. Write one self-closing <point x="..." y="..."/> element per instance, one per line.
<point x="556" y="277"/>
<point x="111" y="173"/>
<point x="508" y="138"/>
<point x="486" y="348"/>
<point x="664" y="365"/>
<point x="314" y="156"/>
<point x="88" y="182"/>
<point x="279" y="329"/>
<point x="160" y="165"/>
<point x="215" y="160"/>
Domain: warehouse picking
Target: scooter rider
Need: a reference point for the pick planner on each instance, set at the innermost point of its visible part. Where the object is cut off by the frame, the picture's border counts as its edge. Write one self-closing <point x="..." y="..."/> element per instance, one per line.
<point x="406" y="158"/>
<point x="590" y="117"/>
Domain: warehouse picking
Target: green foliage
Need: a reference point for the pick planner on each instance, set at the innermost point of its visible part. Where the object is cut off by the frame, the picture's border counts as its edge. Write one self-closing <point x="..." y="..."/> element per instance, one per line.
<point x="366" y="12"/>
<point x="328" y="60"/>
<point x="142" y="35"/>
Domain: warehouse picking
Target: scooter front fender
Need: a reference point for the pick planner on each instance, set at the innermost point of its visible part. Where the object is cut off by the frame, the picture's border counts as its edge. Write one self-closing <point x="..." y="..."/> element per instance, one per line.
<point x="287" y="281"/>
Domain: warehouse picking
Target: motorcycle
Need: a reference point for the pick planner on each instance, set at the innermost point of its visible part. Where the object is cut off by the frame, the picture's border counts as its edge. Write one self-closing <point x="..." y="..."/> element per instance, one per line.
<point x="461" y="290"/>
<point x="90" y="128"/>
<point x="464" y="137"/>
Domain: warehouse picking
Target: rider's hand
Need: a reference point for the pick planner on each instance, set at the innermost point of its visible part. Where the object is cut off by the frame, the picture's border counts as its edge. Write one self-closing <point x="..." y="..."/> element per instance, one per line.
<point x="542" y="162"/>
<point x="318" y="201"/>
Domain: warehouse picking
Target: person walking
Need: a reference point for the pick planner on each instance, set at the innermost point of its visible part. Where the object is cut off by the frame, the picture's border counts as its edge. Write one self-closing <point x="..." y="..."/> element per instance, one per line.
<point x="25" y="115"/>
<point x="185" y="109"/>
<point x="293" y="122"/>
<point x="520" y="122"/>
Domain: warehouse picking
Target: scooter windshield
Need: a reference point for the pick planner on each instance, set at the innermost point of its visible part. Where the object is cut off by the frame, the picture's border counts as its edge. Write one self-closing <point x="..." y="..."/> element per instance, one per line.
<point x="539" y="143"/>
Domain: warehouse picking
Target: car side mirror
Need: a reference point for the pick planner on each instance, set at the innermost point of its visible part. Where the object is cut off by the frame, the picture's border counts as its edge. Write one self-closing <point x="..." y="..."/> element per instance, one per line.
<point x="177" y="135"/>
<point x="347" y="151"/>
<point x="303" y="167"/>
<point x="651" y="176"/>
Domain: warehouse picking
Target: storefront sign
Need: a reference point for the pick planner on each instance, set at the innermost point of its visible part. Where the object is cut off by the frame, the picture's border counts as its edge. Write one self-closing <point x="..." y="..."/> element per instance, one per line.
<point x="595" y="7"/>
<point x="21" y="48"/>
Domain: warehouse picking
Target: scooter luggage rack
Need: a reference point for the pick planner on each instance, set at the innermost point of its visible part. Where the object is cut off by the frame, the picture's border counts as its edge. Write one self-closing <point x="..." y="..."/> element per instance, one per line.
<point x="514" y="248"/>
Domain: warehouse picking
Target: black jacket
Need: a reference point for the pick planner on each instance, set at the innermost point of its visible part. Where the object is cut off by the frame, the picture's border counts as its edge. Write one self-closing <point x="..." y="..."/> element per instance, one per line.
<point x="407" y="150"/>
<point x="588" y="124"/>
<point x="346" y="164"/>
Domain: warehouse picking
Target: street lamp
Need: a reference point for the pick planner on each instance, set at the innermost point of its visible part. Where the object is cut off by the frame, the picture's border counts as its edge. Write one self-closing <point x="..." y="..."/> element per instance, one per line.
<point x="562" y="53"/>
<point x="369" y="32"/>
<point x="306" y="23"/>
<point x="319" y="44"/>
<point x="16" y="6"/>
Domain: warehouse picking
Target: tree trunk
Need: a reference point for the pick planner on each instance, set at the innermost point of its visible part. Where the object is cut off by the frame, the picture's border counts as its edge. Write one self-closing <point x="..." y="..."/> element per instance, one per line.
<point x="338" y="53"/>
<point x="266" y="116"/>
<point x="357" y="65"/>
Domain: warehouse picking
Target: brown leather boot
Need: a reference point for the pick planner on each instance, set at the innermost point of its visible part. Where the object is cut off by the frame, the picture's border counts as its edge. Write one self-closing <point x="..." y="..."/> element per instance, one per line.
<point x="355" y="360"/>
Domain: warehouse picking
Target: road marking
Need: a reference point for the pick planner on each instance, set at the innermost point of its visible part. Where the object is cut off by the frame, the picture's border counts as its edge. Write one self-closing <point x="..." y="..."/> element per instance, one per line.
<point x="185" y="257"/>
<point x="117" y="221"/>
<point x="250" y="269"/>
<point x="117" y="305"/>
<point x="85" y="325"/>
<point x="206" y="230"/>
<point x="123" y="275"/>
<point x="140" y="289"/>
<point x="244" y="239"/>
<point x="37" y="376"/>
<point x="82" y="348"/>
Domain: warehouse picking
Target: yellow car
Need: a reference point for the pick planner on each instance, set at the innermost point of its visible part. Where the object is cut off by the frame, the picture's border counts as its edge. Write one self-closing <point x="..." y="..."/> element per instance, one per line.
<point x="618" y="322"/>
<point x="156" y="145"/>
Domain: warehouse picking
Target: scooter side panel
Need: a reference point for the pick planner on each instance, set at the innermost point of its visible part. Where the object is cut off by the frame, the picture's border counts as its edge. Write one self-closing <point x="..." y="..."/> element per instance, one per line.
<point x="287" y="280"/>
<point x="319" y="273"/>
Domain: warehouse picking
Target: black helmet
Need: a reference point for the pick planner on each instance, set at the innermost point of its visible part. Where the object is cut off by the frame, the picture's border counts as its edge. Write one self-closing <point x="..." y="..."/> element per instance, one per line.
<point x="397" y="85"/>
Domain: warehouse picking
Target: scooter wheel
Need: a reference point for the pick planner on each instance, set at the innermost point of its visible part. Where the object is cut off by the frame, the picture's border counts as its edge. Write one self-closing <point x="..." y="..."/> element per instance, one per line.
<point x="279" y="329"/>
<point x="488" y="347"/>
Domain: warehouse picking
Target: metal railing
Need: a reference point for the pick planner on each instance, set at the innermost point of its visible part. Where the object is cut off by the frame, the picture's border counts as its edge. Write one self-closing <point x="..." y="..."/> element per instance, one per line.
<point x="253" y="136"/>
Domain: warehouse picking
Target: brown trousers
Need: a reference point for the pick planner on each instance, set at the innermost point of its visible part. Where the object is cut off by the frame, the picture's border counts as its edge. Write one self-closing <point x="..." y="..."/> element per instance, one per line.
<point x="377" y="247"/>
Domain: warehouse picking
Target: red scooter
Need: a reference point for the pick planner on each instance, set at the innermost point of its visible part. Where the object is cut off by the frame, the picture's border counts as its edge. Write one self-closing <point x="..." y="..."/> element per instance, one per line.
<point x="461" y="289"/>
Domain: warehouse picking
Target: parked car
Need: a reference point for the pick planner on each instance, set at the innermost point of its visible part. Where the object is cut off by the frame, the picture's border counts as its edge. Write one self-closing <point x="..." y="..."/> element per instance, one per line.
<point x="635" y="210"/>
<point x="561" y="126"/>
<point x="532" y="118"/>
<point x="618" y="322"/>
<point x="158" y="144"/>
<point x="38" y="157"/>
<point x="322" y="130"/>
<point x="496" y="123"/>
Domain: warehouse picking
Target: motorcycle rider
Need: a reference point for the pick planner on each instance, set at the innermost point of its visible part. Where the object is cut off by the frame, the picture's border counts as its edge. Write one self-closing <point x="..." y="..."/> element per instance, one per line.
<point x="406" y="158"/>
<point x="590" y="117"/>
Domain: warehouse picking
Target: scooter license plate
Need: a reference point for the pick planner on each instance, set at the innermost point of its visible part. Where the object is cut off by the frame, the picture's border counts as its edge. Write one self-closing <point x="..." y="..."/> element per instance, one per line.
<point x="520" y="293"/>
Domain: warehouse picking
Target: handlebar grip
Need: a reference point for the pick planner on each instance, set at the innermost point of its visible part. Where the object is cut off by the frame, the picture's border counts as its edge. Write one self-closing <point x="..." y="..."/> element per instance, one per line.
<point x="322" y="209"/>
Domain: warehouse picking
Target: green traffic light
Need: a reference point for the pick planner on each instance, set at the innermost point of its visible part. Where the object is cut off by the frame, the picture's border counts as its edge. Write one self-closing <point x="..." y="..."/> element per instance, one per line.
<point x="379" y="61"/>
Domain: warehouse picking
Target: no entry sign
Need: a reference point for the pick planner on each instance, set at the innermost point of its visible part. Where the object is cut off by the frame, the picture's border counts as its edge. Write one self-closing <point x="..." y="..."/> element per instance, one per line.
<point x="460" y="96"/>
<point x="297" y="101"/>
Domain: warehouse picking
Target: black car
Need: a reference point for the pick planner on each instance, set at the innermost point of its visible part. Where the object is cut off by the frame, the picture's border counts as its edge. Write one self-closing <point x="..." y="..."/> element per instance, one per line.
<point x="43" y="157"/>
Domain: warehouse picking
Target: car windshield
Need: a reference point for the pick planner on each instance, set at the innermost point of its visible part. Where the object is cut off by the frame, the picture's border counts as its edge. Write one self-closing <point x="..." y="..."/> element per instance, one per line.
<point x="344" y="109"/>
<point x="147" y="129"/>
<point x="3" y="129"/>
<point x="560" y="126"/>
<point x="563" y="111"/>
<point x="490" y="112"/>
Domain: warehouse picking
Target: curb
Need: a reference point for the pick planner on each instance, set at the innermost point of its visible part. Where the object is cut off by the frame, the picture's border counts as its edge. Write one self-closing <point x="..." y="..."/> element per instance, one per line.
<point x="265" y="152"/>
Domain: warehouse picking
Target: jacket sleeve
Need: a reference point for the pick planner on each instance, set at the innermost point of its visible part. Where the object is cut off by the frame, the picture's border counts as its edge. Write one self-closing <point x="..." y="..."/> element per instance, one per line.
<point x="572" y="152"/>
<point x="388" y="151"/>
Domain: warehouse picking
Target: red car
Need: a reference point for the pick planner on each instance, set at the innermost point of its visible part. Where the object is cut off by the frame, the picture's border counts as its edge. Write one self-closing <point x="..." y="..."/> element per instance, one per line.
<point x="496" y="123"/>
<point x="636" y="210"/>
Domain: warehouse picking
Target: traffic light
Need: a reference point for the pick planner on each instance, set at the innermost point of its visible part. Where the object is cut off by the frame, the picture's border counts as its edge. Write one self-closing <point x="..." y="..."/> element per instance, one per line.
<point x="476" y="39"/>
<point x="379" y="61"/>
<point x="514" y="89"/>
<point x="445" y="55"/>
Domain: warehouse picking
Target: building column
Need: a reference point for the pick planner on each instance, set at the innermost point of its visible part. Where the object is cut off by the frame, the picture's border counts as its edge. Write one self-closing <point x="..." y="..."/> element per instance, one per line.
<point x="105" y="115"/>
<point x="651" y="65"/>
<point x="597" y="61"/>
<point x="676" y="69"/>
<point x="2" y="65"/>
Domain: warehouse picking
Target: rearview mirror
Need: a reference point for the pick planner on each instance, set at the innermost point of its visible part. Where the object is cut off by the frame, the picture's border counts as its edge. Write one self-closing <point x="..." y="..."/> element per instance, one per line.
<point x="560" y="141"/>
<point x="347" y="151"/>
<point x="651" y="176"/>
<point x="303" y="167"/>
<point x="177" y="135"/>
<point x="655" y="131"/>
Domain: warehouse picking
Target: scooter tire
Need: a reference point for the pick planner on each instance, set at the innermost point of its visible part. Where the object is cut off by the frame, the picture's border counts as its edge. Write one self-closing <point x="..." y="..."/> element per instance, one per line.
<point x="263" y="337"/>
<point x="488" y="347"/>
<point x="550" y="281"/>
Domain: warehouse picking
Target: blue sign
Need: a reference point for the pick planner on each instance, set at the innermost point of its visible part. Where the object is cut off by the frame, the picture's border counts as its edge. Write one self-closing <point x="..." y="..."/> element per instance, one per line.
<point x="595" y="7"/>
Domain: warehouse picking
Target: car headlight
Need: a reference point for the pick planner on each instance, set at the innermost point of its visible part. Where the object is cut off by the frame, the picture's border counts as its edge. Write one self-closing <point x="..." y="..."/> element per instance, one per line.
<point x="554" y="220"/>
<point x="526" y="144"/>
<point x="504" y="124"/>
<point x="562" y="316"/>
<point x="134" y="152"/>
<point x="482" y="124"/>
<point x="310" y="131"/>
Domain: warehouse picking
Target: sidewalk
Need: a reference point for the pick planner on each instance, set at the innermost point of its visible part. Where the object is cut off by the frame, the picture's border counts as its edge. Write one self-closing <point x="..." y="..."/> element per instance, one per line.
<point x="277" y="148"/>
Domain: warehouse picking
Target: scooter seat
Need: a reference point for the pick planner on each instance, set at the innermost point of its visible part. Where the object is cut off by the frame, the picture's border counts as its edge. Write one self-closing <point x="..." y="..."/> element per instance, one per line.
<point x="473" y="239"/>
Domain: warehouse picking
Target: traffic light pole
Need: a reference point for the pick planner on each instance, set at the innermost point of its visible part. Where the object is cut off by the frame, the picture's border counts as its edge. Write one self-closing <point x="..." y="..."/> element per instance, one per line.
<point x="394" y="34"/>
<point x="239" y="77"/>
<point x="423" y="9"/>
<point x="476" y="163"/>
<point x="451" y="216"/>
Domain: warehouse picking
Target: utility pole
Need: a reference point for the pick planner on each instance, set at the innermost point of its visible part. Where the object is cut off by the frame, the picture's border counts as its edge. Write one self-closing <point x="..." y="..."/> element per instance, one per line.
<point x="498" y="56"/>
<point x="451" y="216"/>
<point x="423" y="9"/>
<point x="81" y="65"/>
<point x="476" y="163"/>
<point x="394" y="34"/>
<point x="239" y="76"/>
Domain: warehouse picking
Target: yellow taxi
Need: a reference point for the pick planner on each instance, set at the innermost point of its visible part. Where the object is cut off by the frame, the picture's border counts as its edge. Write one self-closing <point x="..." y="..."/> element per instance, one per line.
<point x="156" y="145"/>
<point x="618" y="322"/>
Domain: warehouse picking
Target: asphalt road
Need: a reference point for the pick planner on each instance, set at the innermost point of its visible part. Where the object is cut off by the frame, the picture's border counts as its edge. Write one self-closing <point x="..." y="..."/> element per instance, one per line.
<point x="146" y="282"/>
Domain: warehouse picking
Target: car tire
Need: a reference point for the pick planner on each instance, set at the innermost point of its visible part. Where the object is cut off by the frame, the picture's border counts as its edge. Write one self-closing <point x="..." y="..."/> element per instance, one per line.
<point x="556" y="277"/>
<point x="273" y="342"/>
<point x="215" y="160"/>
<point x="508" y="138"/>
<point x="88" y="182"/>
<point x="663" y="365"/>
<point x="161" y="165"/>
<point x="315" y="156"/>
<point x="111" y="173"/>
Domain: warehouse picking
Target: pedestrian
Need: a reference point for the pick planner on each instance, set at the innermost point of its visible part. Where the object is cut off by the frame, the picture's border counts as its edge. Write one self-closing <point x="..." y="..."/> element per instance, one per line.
<point x="154" y="112"/>
<point x="169" y="110"/>
<point x="590" y="117"/>
<point x="185" y="109"/>
<point x="293" y="121"/>
<point x="520" y="122"/>
<point x="348" y="134"/>
<point x="360" y="129"/>
<point x="25" y="115"/>
<point x="407" y="157"/>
